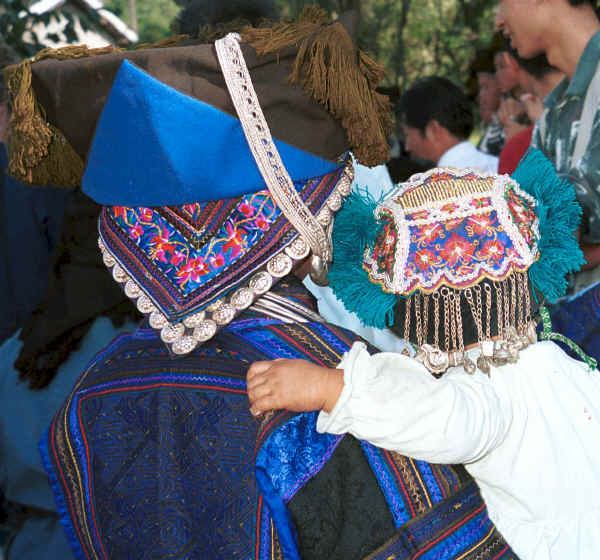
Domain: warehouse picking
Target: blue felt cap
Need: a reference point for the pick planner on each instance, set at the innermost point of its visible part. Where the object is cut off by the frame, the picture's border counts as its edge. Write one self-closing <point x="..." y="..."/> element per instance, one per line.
<point x="155" y="146"/>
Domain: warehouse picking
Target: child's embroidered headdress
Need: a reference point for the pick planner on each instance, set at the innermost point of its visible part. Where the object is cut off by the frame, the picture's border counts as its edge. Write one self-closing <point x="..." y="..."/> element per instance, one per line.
<point x="450" y="252"/>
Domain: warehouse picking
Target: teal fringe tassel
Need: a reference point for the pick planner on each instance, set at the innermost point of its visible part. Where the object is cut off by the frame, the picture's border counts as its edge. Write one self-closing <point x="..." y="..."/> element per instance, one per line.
<point x="559" y="214"/>
<point x="355" y="228"/>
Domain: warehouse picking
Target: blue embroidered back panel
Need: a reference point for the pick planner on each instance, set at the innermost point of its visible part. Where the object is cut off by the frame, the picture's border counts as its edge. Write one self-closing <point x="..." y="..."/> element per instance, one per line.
<point x="154" y="457"/>
<point x="579" y="320"/>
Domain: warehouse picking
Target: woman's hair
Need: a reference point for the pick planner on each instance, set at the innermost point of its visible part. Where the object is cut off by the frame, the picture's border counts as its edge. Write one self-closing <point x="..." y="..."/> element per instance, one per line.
<point x="201" y="13"/>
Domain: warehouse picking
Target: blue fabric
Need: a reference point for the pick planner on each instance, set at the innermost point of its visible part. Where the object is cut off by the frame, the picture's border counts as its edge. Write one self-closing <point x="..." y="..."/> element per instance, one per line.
<point x="579" y="320"/>
<point x="387" y="484"/>
<point x="30" y="219"/>
<point x="291" y="465"/>
<point x="168" y="464"/>
<point x="155" y="146"/>
<point x="25" y="416"/>
<point x="288" y="537"/>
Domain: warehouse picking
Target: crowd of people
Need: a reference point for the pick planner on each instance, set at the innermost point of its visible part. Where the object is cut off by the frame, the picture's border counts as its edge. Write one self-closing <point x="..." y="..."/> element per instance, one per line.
<point x="225" y="332"/>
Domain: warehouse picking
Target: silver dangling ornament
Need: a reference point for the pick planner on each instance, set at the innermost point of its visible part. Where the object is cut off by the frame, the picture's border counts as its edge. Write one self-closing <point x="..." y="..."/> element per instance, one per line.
<point x="318" y="271"/>
<point x="433" y="358"/>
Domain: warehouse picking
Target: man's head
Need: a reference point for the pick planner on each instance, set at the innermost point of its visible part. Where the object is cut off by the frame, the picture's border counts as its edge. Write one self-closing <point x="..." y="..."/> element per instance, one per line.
<point x="435" y="115"/>
<point x="531" y="24"/>
<point x="482" y="83"/>
<point x="507" y="71"/>
<point x="488" y="96"/>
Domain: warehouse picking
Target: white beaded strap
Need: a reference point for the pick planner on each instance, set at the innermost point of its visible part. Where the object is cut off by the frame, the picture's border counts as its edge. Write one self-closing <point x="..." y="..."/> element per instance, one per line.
<point x="263" y="148"/>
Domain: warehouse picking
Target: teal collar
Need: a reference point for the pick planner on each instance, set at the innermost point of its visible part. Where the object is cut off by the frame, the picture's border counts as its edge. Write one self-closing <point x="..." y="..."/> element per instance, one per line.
<point x="586" y="68"/>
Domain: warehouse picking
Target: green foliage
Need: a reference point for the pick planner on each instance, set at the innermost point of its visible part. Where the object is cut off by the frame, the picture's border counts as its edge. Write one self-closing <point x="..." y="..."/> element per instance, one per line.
<point x="154" y="17"/>
<point x="415" y="38"/>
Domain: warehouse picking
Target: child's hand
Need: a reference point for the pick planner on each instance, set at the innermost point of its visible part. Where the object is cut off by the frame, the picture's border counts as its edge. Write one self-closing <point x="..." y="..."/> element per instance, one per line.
<point x="295" y="385"/>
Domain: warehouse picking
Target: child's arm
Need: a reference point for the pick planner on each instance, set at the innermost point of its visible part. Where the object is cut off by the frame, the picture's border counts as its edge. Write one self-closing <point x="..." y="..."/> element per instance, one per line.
<point x="391" y="401"/>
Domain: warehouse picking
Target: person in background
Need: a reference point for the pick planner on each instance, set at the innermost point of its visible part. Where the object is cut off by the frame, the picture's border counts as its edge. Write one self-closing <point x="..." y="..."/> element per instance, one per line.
<point x="511" y="112"/>
<point x="568" y="133"/>
<point x="483" y="85"/>
<point x="437" y="119"/>
<point x="568" y="32"/>
<point x="488" y="99"/>
<point x="30" y="218"/>
<point x="537" y="79"/>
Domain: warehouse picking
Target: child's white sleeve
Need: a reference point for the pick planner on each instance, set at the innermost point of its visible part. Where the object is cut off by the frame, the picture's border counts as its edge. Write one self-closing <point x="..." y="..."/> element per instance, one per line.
<point x="393" y="402"/>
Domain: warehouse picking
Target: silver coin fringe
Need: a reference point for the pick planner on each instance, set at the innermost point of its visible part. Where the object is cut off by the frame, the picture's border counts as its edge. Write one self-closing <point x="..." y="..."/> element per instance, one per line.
<point x="507" y="306"/>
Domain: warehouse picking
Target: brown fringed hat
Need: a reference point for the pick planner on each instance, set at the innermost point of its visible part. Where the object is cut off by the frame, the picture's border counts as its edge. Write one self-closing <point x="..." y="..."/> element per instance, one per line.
<point x="218" y="166"/>
<point x="58" y="96"/>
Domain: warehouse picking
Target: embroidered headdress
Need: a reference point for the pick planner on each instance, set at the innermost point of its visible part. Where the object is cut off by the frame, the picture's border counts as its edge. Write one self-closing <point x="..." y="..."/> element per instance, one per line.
<point x="217" y="173"/>
<point x="454" y="257"/>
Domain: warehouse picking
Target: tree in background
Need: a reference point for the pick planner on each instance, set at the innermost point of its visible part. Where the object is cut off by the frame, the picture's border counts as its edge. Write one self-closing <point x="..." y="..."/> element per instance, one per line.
<point x="153" y="17"/>
<point x="410" y="38"/>
<point x="415" y="38"/>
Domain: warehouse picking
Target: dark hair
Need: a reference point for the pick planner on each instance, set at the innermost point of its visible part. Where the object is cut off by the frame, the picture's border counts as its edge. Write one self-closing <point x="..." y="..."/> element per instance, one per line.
<point x="437" y="98"/>
<point x="483" y="63"/>
<point x="7" y="57"/>
<point x="484" y="56"/>
<point x="200" y="13"/>
<point x="538" y="66"/>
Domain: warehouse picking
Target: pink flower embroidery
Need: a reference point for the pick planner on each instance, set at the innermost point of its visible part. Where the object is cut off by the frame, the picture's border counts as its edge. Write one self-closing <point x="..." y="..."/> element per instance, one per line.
<point x="262" y="223"/>
<point x="246" y="209"/>
<point x="428" y="233"/>
<point x="136" y="231"/>
<point x="146" y="214"/>
<point x="481" y="224"/>
<point x="425" y="259"/>
<point x="480" y="202"/>
<point x="193" y="270"/>
<point x="450" y="207"/>
<point x="177" y="258"/>
<point x="492" y="251"/>
<point x="162" y="245"/>
<point x="217" y="261"/>
<point x="457" y="249"/>
<point x="236" y="240"/>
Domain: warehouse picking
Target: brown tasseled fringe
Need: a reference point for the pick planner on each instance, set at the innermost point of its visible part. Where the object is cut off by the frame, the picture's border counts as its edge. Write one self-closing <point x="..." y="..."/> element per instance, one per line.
<point x="172" y="41"/>
<point x="335" y="75"/>
<point x="39" y="369"/>
<point x="39" y="153"/>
